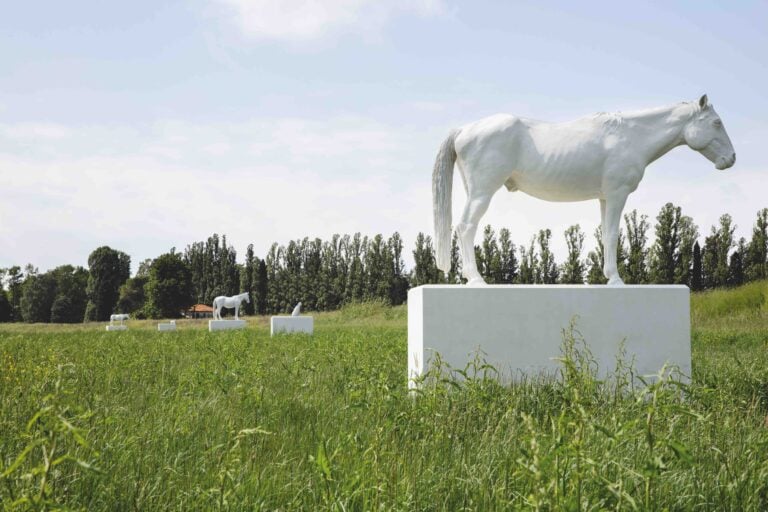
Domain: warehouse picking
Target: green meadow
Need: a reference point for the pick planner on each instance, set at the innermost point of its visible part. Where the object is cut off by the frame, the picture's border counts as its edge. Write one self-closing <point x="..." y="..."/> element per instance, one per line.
<point x="192" y="420"/>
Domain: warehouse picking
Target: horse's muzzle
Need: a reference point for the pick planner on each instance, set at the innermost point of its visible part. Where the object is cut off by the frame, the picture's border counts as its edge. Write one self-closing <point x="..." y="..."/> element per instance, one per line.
<point x="725" y="163"/>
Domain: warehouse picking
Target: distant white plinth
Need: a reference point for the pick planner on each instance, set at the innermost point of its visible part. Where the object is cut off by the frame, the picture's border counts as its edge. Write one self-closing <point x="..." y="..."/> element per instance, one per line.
<point x="117" y="327"/>
<point x="169" y="326"/>
<point x="519" y="327"/>
<point x="287" y="324"/>
<point x="224" y="325"/>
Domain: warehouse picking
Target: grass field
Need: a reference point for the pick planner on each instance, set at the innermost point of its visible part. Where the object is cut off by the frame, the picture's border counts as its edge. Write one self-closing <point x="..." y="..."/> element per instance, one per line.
<point x="141" y="420"/>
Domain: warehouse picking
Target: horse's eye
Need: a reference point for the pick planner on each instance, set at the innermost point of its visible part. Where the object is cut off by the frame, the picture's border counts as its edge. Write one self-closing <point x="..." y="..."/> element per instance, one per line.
<point x="718" y="123"/>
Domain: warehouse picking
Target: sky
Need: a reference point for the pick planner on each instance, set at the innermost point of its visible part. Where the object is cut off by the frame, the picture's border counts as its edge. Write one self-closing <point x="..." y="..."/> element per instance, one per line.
<point x="149" y="125"/>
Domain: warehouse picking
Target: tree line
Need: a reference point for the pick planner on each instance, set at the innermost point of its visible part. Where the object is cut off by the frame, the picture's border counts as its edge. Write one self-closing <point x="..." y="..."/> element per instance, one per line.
<point x="325" y="274"/>
<point x="674" y="257"/>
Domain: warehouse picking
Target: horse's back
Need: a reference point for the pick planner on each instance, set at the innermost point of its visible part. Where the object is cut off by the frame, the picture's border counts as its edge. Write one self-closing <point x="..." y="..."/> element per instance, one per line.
<point x="505" y="131"/>
<point x="495" y="126"/>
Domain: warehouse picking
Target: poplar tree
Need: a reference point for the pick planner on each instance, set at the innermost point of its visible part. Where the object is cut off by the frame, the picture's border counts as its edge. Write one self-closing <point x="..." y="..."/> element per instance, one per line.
<point x="273" y="264"/>
<point x="5" y="305"/>
<point x="529" y="263"/>
<point x="636" y="271"/>
<point x="573" y="269"/>
<point x="311" y="272"/>
<point x="229" y="281"/>
<point x="689" y="233"/>
<point x="15" y="278"/>
<point x="331" y="293"/>
<point x="398" y="290"/>
<point x="355" y="290"/>
<point x="454" y="274"/>
<point x="490" y="268"/>
<point x="508" y="259"/>
<point x="261" y="288"/>
<point x="696" y="277"/>
<point x="714" y="256"/>
<point x="291" y="280"/>
<point x="425" y="270"/>
<point x="756" y="258"/>
<point x="595" y="269"/>
<point x="736" y="264"/>
<point x="724" y="245"/>
<point x="378" y="263"/>
<point x="248" y="279"/>
<point x="666" y="245"/>
<point x="546" y="270"/>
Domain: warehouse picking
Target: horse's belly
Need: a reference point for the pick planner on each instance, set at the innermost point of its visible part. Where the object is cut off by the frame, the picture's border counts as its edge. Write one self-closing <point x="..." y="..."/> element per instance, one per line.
<point x="563" y="186"/>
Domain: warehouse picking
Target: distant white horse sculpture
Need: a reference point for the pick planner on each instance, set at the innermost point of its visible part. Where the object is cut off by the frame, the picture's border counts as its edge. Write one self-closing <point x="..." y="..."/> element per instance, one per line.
<point x="229" y="303"/>
<point x="598" y="157"/>
<point x="118" y="317"/>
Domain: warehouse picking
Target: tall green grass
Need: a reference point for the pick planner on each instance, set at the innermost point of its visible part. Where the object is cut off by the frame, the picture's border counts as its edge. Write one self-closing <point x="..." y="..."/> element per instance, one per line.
<point x="140" y="420"/>
<point x="742" y="302"/>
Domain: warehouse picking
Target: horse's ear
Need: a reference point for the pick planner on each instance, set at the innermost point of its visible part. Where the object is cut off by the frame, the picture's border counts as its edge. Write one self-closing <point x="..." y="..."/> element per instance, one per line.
<point x="703" y="102"/>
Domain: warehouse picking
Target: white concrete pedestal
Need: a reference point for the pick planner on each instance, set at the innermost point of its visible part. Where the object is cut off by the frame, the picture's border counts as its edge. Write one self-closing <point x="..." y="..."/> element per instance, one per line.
<point x="287" y="324"/>
<point x="117" y="327"/>
<point x="225" y="325"/>
<point x="519" y="327"/>
<point x="169" y="326"/>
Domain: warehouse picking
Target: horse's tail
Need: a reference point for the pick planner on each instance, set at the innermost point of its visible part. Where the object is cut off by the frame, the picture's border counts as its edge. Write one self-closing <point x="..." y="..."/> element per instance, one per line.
<point x="442" y="188"/>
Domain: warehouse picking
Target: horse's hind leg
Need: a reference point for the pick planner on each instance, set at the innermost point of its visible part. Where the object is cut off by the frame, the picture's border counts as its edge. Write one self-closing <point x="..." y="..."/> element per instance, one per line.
<point x="474" y="210"/>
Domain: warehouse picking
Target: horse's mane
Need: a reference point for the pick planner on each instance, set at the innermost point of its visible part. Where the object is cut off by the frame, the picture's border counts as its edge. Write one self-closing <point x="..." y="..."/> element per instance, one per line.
<point x="612" y="121"/>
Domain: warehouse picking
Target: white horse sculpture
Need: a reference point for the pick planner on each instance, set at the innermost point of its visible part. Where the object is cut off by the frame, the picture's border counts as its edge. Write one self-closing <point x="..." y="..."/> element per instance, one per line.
<point x="118" y="317"/>
<point x="229" y="303"/>
<point x="598" y="157"/>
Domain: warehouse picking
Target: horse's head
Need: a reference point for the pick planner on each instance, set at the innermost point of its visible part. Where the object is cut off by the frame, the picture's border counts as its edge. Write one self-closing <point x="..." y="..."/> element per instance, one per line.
<point x="706" y="134"/>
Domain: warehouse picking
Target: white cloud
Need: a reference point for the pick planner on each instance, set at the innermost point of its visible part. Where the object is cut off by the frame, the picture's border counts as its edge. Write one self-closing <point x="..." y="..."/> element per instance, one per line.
<point x="33" y="131"/>
<point x="303" y="20"/>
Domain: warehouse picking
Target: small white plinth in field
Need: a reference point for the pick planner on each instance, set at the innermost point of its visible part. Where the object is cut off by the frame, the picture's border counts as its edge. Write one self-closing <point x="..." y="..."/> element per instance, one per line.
<point x="288" y="324"/>
<point x="519" y="328"/>
<point x="117" y="327"/>
<point x="169" y="326"/>
<point x="225" y="325"/>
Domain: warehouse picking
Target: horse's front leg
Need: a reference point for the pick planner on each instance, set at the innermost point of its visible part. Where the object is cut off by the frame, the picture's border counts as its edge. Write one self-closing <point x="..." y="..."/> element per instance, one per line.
<point x="602" y="216"/>
<point x="612" y="207"/>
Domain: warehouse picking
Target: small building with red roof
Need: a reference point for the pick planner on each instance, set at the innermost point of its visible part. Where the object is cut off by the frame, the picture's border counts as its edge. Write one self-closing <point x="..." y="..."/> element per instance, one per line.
<point x="200" y="311"/>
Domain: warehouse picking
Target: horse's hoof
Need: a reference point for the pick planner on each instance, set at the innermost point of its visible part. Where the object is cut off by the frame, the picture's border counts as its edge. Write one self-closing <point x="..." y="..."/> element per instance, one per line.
<point x="615" y="281"/>
<point x="477" y="281"/>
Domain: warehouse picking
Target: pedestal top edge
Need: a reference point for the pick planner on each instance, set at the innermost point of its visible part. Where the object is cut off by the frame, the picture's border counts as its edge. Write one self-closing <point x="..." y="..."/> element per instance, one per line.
<point x="589" y="287"/>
